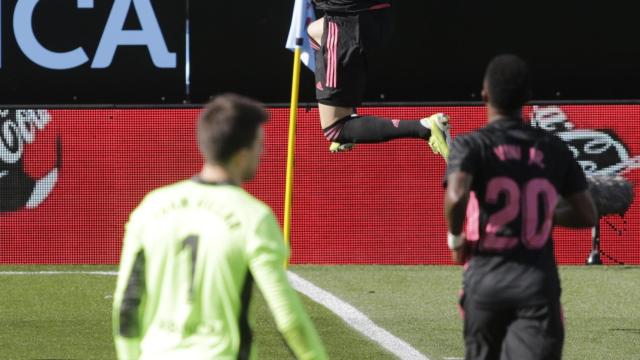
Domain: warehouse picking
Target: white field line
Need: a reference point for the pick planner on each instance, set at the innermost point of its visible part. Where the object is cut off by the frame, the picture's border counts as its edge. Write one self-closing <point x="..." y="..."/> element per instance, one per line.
<point x="107" y="273"/>
<point x="357" y="320"/>
<point x="352" y="316"/>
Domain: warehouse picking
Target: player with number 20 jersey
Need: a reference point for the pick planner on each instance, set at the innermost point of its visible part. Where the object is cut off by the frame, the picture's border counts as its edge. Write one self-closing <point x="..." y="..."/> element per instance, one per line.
<point x="519" y="172"/>
<point x="508" y="177"/>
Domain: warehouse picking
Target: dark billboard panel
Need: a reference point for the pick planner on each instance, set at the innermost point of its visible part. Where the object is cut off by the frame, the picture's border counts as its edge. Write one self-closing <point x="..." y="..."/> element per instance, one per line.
<point x="438" y="49"/>
<point x="134" y="51"/>
<point x="92" y="51"/>
<point x="239" y="47"/>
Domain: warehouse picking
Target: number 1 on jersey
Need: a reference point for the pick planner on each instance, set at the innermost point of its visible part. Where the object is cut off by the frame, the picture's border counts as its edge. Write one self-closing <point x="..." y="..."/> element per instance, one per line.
<point x="191" y="242"/>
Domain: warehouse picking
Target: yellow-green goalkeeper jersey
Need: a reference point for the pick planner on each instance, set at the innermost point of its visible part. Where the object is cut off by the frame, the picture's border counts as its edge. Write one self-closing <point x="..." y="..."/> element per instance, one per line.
<point x="190" y="255"/>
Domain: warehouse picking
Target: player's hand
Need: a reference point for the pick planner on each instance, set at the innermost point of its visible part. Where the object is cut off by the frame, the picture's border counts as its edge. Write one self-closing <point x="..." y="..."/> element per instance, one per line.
<point x="458" y="256"/>
<point x="457" y="245"/>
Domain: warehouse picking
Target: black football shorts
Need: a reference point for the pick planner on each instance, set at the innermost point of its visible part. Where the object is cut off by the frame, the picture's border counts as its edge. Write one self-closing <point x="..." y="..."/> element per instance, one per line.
<point x="531" y="332"/>
<point x="350" y="46"/>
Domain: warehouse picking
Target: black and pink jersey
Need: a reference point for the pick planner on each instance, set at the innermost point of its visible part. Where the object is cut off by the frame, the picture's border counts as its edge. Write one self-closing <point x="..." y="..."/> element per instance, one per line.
<point x="519" y="173"/>
<point x="350" y="6"/>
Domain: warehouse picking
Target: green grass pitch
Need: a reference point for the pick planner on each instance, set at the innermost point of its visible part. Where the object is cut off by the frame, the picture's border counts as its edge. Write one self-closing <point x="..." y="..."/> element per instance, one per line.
<point x="68" y="316"/>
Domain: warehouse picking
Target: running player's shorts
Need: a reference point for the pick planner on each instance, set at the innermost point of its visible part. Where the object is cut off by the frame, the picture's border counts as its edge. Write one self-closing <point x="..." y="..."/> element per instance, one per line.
<point x="350" y="45"/>
<point x="532" y="332"/>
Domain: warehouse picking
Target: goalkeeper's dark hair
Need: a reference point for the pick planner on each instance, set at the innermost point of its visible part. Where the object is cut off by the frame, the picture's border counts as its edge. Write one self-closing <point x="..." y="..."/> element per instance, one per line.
<point x="508" y="82"/>
<point x="227" y="124"/>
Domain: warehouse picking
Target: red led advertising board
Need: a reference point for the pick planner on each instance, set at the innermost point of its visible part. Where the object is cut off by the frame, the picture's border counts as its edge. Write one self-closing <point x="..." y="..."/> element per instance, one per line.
<point x="69" y="179"/>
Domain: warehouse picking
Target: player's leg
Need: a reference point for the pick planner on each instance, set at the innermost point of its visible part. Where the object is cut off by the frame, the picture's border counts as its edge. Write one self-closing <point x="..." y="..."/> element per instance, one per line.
<point x="537" y="333"/>
<point x="341" y="70"/>
<point x="484" y="331"/>
<point x="331" y="106"/>
<point x="340" y="124"/>
<point x="372" y="129"/>
<point x="329" y="114"/>
<point x="315" y="31"/>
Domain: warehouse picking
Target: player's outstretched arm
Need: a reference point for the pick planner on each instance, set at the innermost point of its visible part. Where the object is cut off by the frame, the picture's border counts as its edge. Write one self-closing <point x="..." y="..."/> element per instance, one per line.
<point x="461" y="165"/>
<point x="580" y="211"/>
<point x="267" y="254"/>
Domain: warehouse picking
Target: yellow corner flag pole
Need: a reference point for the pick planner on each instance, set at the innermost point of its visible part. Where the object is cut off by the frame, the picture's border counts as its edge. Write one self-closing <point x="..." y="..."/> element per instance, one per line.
<point x="293" y="113"/>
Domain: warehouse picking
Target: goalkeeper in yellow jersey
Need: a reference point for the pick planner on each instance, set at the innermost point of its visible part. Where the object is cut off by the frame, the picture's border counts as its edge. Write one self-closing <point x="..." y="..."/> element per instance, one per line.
<point x="193" y="249"/>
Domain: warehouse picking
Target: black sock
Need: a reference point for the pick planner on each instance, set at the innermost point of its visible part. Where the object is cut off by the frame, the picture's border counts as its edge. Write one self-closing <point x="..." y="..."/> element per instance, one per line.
<point x="372" y="129"/>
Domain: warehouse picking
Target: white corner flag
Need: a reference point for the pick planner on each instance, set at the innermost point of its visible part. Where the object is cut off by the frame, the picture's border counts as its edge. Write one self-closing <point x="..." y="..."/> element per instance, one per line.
<point x="303" y="15"/>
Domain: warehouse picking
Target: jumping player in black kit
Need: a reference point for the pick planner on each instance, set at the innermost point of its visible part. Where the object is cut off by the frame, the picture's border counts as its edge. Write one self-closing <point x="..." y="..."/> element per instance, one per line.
<point x="507" y="177"/>
<point x="348" y="41"/>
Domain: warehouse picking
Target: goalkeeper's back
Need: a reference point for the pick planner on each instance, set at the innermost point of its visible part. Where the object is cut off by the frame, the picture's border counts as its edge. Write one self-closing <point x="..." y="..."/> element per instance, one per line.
<point x="191" y="253"/>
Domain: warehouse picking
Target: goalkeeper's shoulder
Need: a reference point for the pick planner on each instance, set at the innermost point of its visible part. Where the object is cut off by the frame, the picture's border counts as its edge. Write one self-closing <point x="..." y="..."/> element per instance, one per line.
<point x="251" y="209"/>
<point x="258" y="224"/>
